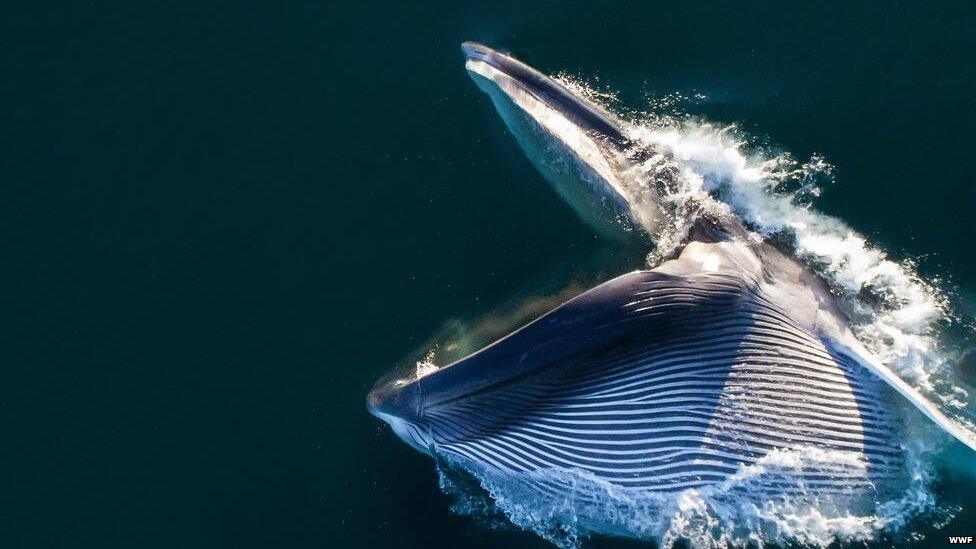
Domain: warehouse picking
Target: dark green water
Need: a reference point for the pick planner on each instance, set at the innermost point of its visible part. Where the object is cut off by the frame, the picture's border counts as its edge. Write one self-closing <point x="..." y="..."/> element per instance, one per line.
<point x="221" y="223"/>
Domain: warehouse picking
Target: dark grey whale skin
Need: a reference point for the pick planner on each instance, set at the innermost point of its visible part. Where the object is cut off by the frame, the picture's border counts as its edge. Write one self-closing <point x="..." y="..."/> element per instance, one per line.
<point x="581" y="326"/>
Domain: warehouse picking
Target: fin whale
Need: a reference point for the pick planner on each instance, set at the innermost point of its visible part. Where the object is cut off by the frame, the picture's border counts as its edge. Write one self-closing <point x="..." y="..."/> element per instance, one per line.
<point x="659" y="380"/>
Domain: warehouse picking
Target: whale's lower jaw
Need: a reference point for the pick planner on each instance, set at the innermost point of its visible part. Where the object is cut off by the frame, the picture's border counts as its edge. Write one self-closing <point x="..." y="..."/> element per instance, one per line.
<point x="408" y="431"/>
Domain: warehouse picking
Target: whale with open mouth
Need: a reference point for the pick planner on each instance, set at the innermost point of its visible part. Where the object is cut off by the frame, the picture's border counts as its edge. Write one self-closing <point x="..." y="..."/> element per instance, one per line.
<point x="729" y="371"/>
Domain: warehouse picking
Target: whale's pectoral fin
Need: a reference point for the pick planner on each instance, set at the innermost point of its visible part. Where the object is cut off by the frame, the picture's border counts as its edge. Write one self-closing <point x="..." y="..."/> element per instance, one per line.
<point x="856" y="352"/>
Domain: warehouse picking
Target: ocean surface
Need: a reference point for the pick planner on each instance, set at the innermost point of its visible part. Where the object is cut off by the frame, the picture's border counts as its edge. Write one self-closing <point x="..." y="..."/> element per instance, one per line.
<point x="221" y="223"/>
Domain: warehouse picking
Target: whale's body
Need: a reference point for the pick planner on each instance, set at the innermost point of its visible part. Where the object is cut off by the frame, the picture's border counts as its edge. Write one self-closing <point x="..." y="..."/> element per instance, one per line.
<point x="681" y="377"/>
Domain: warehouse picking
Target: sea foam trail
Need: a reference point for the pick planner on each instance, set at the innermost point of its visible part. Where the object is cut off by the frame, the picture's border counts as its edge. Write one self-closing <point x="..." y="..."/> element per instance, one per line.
<point x="894" y="312"/>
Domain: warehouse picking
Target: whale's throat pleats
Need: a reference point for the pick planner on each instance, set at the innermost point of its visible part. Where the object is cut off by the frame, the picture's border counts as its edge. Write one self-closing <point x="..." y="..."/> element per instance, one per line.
<point x="685" y="379"/>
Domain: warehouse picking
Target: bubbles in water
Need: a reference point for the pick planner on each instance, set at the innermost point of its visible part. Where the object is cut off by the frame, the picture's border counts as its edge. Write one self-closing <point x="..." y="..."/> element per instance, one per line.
<point x="426" y="366"/>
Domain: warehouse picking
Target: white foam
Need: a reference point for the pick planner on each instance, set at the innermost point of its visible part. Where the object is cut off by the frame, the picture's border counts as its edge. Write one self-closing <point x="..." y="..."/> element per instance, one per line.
<point x="741" y="511"/>
<point x="426" y="365"/>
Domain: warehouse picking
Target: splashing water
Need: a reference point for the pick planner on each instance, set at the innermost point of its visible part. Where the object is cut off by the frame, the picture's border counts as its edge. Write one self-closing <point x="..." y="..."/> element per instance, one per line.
<point x="739" y="511"/>
<point x="689" y="165"/>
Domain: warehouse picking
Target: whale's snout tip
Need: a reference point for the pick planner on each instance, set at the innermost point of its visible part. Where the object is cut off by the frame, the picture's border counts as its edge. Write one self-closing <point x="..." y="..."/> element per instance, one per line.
<point x="394" y="397"/>
<point x="374" y="401"/>
<point x="399" y="405"/>
<point x="475" y="50"/>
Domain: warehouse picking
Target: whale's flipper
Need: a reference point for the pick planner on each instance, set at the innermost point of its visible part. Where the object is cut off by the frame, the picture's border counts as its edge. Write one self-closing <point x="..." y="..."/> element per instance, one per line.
<point x="852" y="349"/>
